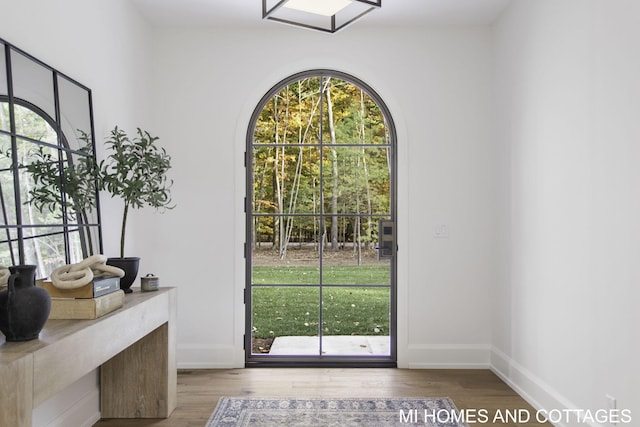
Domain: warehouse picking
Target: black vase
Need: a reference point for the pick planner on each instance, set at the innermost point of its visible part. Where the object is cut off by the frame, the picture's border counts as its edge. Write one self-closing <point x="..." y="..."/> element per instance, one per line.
<point x="130" y="267"/>
<point x="24" y="307"/>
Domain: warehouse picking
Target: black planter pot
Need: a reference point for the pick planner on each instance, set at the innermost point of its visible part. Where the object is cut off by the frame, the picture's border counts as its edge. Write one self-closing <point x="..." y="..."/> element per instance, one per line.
<point x="130" y="266"/>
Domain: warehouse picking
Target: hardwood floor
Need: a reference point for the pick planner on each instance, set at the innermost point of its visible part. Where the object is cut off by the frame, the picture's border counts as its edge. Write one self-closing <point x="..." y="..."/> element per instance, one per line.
<point x="199" y="390"/>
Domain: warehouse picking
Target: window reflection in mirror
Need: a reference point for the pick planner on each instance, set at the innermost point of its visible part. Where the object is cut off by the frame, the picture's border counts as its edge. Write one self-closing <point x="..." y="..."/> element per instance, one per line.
<point x="49" y="213"/>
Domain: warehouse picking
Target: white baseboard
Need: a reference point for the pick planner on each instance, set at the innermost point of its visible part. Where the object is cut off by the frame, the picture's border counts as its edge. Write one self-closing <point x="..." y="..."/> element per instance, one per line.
<point x="531" y="388"/>
<point x="445" y="356"/>
<point x="536" y="392"/>
<point x="209" y="357"/>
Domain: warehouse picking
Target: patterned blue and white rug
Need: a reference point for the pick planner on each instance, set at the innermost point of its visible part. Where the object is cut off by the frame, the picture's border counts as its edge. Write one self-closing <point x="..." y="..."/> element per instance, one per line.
<point x="244" y="412"/>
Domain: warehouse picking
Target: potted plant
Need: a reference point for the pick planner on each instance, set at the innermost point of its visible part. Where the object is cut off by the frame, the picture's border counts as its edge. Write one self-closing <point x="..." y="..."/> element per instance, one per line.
<point x="135" y="171"/>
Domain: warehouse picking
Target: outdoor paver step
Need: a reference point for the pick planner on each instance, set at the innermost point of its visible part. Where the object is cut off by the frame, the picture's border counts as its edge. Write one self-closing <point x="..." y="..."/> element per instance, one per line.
<point x="340" y="345"/>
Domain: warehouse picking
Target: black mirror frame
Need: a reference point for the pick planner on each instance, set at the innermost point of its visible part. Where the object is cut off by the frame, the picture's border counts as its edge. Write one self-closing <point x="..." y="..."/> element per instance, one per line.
<point x="12" y="233"/>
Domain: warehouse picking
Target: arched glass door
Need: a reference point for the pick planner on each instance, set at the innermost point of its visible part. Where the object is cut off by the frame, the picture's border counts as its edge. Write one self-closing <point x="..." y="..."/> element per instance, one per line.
<point x="320" y="258"/>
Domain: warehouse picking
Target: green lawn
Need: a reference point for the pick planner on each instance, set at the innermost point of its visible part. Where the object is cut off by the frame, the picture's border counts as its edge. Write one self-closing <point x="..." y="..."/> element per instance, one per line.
<point x="335" y="275"/>
<point x="294" y="310"/>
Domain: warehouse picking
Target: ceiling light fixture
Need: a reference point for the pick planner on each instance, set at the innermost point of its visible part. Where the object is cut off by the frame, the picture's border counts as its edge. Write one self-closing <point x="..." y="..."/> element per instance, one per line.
<point x="324" y="15"/>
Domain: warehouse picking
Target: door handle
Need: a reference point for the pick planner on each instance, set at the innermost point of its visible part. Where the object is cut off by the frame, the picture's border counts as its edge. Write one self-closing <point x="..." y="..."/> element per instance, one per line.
<point x="386" y="239"/>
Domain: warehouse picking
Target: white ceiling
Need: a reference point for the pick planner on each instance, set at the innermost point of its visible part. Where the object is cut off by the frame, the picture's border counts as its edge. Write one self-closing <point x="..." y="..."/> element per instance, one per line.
<point x="248" y="13"/>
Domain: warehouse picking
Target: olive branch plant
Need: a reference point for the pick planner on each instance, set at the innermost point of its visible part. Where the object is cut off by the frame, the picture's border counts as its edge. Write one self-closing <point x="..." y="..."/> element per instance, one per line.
<point x="135" y="171"/>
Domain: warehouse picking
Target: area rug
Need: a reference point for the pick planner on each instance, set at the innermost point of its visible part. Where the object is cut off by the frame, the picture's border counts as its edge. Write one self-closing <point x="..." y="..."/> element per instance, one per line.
<point x="348" y="412"/>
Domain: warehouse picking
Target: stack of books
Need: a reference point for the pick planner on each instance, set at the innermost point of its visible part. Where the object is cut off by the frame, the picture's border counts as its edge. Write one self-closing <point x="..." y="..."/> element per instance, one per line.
<point x="100" y="297"/>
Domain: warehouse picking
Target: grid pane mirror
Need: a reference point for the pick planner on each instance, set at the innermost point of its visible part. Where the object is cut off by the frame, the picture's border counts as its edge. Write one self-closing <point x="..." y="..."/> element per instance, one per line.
<point x="320" y="178"/>
<point x="49" y="213"/>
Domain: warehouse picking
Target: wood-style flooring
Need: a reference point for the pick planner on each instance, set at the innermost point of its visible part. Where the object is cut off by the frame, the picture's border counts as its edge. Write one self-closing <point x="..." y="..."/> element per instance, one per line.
<point x="199" y="390"/>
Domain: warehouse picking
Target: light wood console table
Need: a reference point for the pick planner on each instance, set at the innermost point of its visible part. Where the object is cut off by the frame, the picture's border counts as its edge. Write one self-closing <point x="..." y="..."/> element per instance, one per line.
<point x="135" y="348"/>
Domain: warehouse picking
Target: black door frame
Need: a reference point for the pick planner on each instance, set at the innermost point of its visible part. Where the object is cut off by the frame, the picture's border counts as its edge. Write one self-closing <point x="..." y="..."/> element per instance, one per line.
<point x="258" y="360"/>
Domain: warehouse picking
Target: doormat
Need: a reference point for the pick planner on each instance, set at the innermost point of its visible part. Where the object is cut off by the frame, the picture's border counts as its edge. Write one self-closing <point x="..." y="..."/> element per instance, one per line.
<point x="348" y="412"/>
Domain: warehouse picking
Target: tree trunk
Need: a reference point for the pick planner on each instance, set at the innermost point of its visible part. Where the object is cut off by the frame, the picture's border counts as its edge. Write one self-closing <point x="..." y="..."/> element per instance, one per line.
<point x="366" y="172"/>
<point x="258" y="197"/>
<point x="36" y="242"/>
<point x="124" y="229"/>
<point x="334" y="171"/>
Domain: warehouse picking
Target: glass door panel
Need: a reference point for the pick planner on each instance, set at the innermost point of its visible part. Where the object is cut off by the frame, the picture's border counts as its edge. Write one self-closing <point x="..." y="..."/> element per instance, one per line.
<point x="286" y="313"/>
<point x="356" y="321"/>
<point x="296" y="262"/>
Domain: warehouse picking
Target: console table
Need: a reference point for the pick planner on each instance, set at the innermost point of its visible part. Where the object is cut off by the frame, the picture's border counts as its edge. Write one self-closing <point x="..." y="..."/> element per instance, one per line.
<point x="134" y="347"/>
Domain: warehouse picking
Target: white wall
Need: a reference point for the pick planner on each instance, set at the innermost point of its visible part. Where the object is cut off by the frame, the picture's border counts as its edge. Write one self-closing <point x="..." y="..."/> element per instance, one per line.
<point x="567" y="103"/>
<point x="105" y="45"/>
<point x="436" y="83"/>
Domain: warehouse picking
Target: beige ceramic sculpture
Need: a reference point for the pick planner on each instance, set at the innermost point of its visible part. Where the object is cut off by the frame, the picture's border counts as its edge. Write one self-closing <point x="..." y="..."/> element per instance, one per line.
<point x="72" y="276"/>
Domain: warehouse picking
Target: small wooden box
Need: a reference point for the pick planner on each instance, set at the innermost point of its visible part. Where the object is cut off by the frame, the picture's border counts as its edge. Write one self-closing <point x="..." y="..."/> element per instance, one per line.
<point x="86" y="308"/>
